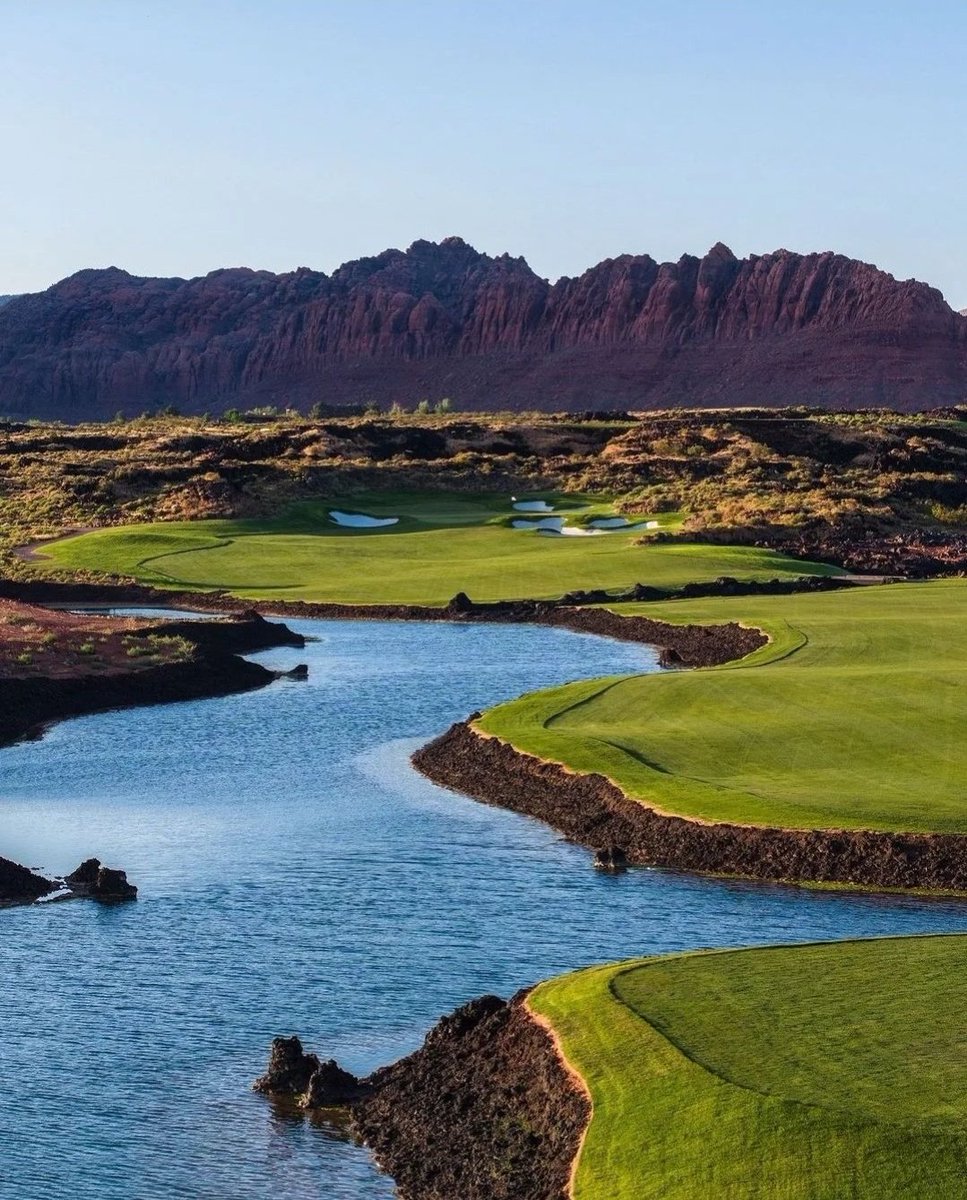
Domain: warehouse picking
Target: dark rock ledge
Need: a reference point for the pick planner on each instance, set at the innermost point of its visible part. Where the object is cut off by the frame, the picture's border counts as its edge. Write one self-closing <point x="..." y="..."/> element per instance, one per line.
<point x="215" y="669"/>
<point x="592" y="811"/>
<point x="485" y="1110"/>
<point x="20" y="885"/>
<point x="682" y="645"/>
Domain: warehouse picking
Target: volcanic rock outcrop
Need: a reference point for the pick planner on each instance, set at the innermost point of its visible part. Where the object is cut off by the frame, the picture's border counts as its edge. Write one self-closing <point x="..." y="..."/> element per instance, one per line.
<point x="484" y="1110"/>
<point x="100" y="883"/>
<point x="20" y="885"/>
<point x="442" y="320"/>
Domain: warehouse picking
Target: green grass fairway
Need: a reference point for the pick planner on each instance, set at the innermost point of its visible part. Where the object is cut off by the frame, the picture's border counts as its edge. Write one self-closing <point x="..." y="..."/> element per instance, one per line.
<point x="852" y="717"/>
<point x="814" y="1072"/>
<point x="443" y="544"/>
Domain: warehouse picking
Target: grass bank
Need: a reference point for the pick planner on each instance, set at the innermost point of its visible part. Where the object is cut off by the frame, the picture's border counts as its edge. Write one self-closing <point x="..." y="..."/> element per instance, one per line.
<point x="441" y="544"/>
<point x="851" y="717"/>
<point x="795" y="1073"/>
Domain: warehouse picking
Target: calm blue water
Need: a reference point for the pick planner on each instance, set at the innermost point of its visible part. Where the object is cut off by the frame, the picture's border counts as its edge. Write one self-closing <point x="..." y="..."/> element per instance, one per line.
<point x="296" y="875"/>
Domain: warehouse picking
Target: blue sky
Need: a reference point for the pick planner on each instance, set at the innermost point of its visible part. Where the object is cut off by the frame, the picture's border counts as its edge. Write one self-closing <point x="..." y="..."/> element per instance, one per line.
<point x="170" y="137"/>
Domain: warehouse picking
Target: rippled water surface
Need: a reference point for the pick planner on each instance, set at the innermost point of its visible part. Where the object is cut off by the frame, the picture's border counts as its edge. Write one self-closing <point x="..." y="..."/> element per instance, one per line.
<point x="296" y="875"/>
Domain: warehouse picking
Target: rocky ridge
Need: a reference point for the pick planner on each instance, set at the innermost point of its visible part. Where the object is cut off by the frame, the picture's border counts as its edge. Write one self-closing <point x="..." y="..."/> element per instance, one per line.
<point x="441" y="319"/>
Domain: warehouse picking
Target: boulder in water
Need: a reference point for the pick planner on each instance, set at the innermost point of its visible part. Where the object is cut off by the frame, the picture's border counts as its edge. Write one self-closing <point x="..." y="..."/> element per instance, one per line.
<point x="101" y="883"/>
<point x="611" y="859"/>
<point x="289" y="1070"/>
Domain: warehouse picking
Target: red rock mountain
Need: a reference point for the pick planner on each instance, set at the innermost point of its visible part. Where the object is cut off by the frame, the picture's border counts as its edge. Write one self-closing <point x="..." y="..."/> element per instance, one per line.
<point x="443" y="320"/>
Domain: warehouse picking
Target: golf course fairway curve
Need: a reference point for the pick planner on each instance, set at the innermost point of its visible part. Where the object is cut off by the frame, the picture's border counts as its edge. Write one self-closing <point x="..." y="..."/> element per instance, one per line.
<point x="851" y="717"/>
<point x="811" y="1072"/>
<point x="438" y="545"/>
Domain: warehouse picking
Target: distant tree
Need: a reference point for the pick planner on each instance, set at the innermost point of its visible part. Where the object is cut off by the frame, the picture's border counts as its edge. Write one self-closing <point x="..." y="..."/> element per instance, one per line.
<point x="396" y="409"/>
<point x="232" y="416"/>
<point x="169" y="410"/>
<point x="317" y="411"/>
<point x="372" y="409"/>
<point x="119" y="417"/>
<point x="423" y="407"/>
<point x="445" y="405"/>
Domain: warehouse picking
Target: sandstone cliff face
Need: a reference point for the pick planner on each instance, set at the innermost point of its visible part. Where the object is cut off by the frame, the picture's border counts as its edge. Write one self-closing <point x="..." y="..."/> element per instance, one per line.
<point x="443" y="320"/>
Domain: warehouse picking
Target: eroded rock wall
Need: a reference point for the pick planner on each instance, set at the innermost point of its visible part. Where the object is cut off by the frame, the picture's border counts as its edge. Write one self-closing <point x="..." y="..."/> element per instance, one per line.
<point x="443" y="320"/>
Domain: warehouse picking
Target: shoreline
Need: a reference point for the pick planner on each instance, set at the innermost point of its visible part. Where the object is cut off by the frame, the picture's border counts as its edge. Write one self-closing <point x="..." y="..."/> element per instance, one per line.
<point x="681" y="645"/>
<point x="486" y="1109"/>
<point x="30" y="705"/>
<point x="593" y="812"/>
<point x="589" y="810"/>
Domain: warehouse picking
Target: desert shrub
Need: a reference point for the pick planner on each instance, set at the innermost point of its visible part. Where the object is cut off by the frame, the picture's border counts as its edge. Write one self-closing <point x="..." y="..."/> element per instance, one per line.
<point x="946" y="514"/>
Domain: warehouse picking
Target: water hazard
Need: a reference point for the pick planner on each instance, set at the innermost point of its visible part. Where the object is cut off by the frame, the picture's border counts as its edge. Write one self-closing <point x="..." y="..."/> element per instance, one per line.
<point x="297" y="876"/>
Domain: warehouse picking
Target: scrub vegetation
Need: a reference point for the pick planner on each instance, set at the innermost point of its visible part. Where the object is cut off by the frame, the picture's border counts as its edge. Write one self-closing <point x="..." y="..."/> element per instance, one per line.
<point x="874" y="490"/>
<point x="789" y="1073"/>
<point x="851" y="717"/>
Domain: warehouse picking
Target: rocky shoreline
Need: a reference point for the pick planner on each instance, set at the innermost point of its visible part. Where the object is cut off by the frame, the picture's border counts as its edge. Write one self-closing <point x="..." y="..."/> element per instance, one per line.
<point x="681" y="645"/>
<point x="215" y="669"/>
<point x="91" y="880"/>
<point x="485" y="1110"/>
<point x="70" y="687"/>
<point x="592" y="811"/>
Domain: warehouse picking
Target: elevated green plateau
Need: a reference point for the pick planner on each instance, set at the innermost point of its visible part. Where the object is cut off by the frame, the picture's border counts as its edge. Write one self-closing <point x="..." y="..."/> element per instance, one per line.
<point x="791" y="1073"/>
<point x="443" y="544"/>
<point x="852" y="716"/>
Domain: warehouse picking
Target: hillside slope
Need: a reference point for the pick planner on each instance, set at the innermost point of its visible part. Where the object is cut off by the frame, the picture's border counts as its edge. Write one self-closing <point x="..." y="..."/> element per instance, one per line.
<point x="444" y="320"/>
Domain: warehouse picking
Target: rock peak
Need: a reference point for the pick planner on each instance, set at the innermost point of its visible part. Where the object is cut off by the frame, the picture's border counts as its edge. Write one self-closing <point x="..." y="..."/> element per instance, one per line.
<point x="443" y="319"/>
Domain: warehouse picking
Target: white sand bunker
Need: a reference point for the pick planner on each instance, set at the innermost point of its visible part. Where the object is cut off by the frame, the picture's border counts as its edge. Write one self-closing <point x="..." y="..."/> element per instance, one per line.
<point x="615" y="523"/>
<point x="555" y="527"/>
<point x="360" y="520"/>
<point x="547" y="524"/>
<point x="538" y="506"/>
<point x="572" y="531"/>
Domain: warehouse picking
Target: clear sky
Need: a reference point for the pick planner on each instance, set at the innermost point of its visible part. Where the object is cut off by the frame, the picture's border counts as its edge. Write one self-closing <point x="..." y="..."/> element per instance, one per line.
<point x="173" y="137"/>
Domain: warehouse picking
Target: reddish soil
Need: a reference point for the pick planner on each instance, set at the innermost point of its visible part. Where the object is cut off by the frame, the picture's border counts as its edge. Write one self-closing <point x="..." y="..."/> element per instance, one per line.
<point x="41" y="642"/>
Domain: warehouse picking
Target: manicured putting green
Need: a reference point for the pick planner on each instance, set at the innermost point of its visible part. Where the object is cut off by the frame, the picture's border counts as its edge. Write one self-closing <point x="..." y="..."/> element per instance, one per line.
<point x="442" y="544"/>
<point x="852" y="717"/>
<point x="796" y="1073"/>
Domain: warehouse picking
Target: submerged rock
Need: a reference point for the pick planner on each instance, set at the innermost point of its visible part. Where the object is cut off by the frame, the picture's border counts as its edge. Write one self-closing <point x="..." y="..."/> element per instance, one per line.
<point x="300" y="671"/>
<point x="611" y="859"/>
